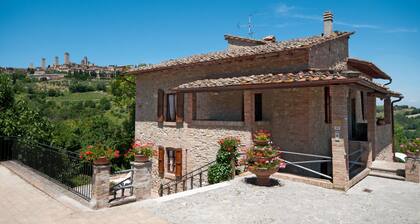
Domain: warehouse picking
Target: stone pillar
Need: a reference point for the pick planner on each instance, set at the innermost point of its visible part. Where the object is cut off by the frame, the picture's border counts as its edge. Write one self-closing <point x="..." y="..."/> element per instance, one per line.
<point x="249" y="114"/>
<point x="412" y="170"/>
<point x="339" y="136"/>
<point x="142" y="180"/>
<point x="100" y="186"/>
<point x="371" y="119"/>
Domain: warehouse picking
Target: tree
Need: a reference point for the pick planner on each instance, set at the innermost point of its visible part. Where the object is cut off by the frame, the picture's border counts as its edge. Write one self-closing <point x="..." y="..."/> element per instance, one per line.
<point x="18" y="118"/>
<point x="6" y="92"/>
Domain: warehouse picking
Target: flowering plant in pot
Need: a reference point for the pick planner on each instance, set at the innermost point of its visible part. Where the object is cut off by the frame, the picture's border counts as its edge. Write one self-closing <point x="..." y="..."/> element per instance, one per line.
<point x="412" y="148"/>
<point x="98" y="154"/>
<point x="263" y="161"/>
<point x="140" y="152"/>
<point x="261" y="137"/>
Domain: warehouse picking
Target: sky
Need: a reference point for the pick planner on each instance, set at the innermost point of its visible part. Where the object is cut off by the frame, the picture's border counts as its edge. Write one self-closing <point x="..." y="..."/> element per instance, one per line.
<point x="132" y="32"/>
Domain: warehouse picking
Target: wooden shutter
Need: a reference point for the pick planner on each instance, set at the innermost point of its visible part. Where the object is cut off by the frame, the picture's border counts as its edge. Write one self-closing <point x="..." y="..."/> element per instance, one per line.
<point x="161" y="163"/>
<point x="178" y="162"/>
<point x="179" y="107"/>
<point x="161" y="96"/>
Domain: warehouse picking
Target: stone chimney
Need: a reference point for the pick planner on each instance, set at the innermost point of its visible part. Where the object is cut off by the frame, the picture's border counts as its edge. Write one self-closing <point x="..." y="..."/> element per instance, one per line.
<point x="328" y="23"/>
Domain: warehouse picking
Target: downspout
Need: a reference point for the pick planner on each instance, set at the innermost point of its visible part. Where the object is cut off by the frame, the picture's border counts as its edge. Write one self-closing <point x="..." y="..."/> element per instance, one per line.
<point x="392" y="124"/>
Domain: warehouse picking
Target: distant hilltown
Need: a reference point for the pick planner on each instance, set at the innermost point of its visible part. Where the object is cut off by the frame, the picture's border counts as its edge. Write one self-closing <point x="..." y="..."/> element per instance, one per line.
<point x="57" y="70"/>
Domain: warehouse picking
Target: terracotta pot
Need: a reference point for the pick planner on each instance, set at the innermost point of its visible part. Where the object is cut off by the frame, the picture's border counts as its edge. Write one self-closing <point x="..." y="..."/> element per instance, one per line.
<point x="263" y="175"/>
<point x="260" y="142"/>
<point x="141" y="158"/>
<point x="101" y="161"/>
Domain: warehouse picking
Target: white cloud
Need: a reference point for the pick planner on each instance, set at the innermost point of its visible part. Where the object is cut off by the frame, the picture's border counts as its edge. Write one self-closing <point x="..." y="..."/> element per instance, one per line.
<point x="367" y="26"/>
<point x="284" y="9"/>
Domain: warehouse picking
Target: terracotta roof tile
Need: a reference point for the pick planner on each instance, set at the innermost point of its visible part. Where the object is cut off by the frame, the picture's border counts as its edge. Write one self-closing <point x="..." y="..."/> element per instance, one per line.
<point x="298" y="77"/>
<point x="267" y="48"/>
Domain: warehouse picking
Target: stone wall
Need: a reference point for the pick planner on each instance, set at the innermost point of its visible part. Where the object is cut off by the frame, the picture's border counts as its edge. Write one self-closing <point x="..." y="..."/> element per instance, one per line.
<point x="199" y="143"/>
<point x="329" y="53"/>
<point x="297" y="122"/>
<point x="383" y="142"/>
<point x="221" y="106"/>
<point x="295" y="117"/>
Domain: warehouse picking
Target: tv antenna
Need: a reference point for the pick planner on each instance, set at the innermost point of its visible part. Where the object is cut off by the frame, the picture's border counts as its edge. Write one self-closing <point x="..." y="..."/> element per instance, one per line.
<point x="250" y="26"/>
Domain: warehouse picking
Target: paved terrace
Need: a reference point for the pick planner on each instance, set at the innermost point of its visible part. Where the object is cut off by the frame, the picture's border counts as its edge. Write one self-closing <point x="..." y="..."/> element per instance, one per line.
<point x="373" y="200"/>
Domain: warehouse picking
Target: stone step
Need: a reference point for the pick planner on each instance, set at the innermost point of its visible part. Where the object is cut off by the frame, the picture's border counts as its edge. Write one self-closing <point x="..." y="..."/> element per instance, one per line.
<point x="388" y="175"/>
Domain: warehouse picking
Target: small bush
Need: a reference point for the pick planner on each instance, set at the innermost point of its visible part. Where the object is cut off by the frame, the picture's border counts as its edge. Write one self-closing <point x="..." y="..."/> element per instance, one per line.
<point x="222" y="170"/>
<point x="219" y="172"/>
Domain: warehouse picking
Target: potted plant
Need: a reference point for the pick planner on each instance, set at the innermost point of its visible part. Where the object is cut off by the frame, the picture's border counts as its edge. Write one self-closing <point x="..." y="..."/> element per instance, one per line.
<point x="261" y="137"/>
<point x="141" y="152"/>
<point x="98" y="154"/>
<point x="412" y="148"/>
<point x="263" y="161"/>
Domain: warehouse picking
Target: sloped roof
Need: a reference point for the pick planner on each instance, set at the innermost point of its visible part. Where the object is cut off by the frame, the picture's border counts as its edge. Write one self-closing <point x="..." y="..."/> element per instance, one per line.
<point x="368" y="68"/>
<point x="298" y="79"/>
<point x="243" y="39"/>
<point x="267" y="48"/>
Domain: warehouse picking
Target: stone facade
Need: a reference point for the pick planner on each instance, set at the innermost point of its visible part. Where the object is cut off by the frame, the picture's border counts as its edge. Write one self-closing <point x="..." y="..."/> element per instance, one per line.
<point x="412" y="170"/>
<point x="100" y="186"/>
<point x="295" y="116"/>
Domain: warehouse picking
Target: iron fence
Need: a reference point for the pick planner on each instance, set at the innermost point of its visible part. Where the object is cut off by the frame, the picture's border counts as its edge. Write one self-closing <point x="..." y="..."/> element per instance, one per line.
<point x="60" y="166"/>
<point x="194" y="179"/>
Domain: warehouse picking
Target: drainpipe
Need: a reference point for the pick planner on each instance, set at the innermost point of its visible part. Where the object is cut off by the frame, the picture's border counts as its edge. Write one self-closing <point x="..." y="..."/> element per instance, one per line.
<point x="392" y="124"/>
<point x="389" y="82"/>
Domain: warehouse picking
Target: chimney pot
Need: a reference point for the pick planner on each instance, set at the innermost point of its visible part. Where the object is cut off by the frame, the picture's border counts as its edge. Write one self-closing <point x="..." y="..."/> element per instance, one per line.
<point x="328" y="23"/>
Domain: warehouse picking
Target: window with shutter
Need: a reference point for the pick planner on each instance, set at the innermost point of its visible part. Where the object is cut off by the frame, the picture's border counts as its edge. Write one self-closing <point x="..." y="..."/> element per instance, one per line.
<point x="161" y="163"/>
<point x="161" y="96"/>
<point x="178" y="162"/>
<point x="179" y="107"/>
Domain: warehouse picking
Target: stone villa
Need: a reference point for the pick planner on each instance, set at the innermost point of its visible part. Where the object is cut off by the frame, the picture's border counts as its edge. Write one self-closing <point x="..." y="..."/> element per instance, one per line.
<point x="308" y="92"/>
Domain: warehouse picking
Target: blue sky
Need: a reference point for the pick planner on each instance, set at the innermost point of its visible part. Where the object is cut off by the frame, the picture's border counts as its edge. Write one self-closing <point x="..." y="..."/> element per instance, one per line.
<point x="133" y="32"/>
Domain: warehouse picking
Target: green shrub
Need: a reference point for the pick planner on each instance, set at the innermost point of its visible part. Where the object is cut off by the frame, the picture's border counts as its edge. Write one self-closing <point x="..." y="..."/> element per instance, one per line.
<point x="219" y="172"/>
<point x="222" y="170"/>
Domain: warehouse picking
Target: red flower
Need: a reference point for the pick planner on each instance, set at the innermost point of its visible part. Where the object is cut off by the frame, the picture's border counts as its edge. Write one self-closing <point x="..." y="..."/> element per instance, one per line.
<point x="117" y="154"/>
<point x="88" y="153"/>
<point x="81" y="157"/>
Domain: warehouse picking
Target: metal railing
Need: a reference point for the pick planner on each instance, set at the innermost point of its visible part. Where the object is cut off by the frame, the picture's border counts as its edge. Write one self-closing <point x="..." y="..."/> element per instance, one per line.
<point x="118" y="190"/>
<point x="320" y="159"/>
<point x="60" y="166"/>
<point x="194" y="179"/>
<point x="355" y="162"/>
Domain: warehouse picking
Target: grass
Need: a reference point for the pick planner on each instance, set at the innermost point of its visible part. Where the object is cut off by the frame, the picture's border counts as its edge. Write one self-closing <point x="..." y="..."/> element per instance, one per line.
<point x="94" y="96"/>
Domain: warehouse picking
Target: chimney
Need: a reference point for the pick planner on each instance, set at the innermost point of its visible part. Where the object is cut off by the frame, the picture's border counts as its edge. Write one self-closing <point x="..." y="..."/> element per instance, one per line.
<point x="328" y="23"/>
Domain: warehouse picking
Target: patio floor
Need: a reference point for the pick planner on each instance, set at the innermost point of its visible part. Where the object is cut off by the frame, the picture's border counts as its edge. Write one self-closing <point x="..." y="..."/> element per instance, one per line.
<point x="373" y="200"/>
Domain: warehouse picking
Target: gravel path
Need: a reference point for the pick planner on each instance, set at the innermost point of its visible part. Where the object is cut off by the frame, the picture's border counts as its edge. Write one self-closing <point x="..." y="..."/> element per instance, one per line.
<point x="374" y="200"/>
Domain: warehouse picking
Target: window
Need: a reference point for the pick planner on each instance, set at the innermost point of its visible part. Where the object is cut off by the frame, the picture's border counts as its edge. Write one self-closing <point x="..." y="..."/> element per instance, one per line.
<point x="258" y="106"/>
<point x="170" y="107"/>
<point x="170" y="162"/>
<point x="327" y="105"/>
